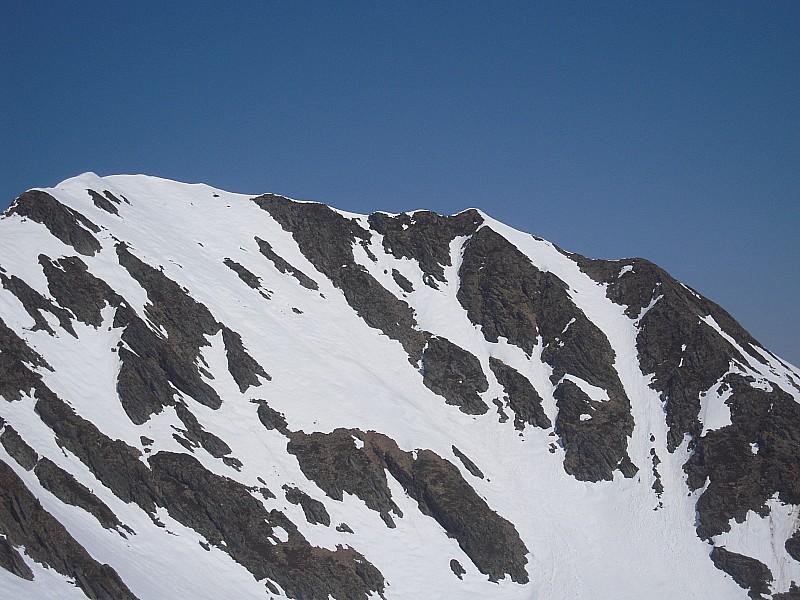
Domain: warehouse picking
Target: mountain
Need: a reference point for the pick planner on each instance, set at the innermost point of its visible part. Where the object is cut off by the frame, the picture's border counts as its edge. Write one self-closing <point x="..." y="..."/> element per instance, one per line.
<point x="211" y="395"/>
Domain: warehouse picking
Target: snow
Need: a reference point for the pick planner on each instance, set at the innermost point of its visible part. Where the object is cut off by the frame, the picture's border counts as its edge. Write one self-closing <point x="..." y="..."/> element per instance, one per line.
<point x="595" y="393"/>
<point x="762" y="538"/>
<point x="585" y="540"/>
<point x="714" y="410"/>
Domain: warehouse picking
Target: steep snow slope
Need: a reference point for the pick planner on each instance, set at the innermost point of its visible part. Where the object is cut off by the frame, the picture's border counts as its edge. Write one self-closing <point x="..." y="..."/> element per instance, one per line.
<point x="307" y="402"/>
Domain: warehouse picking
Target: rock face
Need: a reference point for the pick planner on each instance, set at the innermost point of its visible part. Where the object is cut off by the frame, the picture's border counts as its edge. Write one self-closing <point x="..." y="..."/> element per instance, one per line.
<point x="336" y="464"/>
<point x="289" y="401"/>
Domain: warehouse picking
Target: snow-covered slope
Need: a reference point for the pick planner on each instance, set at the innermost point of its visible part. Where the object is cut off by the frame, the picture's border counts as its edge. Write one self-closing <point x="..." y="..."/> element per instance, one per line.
<point x="213" y="395"/>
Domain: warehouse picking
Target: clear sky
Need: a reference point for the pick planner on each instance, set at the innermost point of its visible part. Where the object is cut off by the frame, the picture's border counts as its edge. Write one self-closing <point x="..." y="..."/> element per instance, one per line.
<point x="664" y="130"/>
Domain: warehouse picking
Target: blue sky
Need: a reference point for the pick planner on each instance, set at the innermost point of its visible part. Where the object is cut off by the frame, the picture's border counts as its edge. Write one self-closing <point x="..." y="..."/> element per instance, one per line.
<point x="664" y="130"/>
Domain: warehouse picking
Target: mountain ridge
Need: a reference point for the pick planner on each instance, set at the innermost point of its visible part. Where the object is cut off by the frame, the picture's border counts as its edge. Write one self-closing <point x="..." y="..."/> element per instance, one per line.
<point x="521" y="417"/>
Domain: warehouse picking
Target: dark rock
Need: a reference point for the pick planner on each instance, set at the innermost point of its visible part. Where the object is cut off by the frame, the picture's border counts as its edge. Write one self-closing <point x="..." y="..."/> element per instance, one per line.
<point x="284" y="267"/>
<point x="243" y="367"/>
<point x="68" y="225"/>
<point x="170" y="306"/>
<point x="595" y="447"/>
<point x="658" y="487"/>
<point x="113" y="198"/>
<point x="343" y="528"/>
<point x="522" y="397"/>
<point x="218" y="508"/>
<point x="498" y="289"/>
<point x="12" y="562"/>
<point x="336" y="464"/>
<point x="401" y="281"/>
<point x="195" y="433"/>
<point x="424" y="236"/>
<point x="749" y="573"/>
<point x="18" y="449"/>
<point x="64" y="487"/>
<point x="113" y="462"/>
<point x="454" y="374"/>
<point x="793" y="545"/>
<point x="314" y="510"/>
<point x="468" y="464"/>
<point x="34" y="303"/>
<point x="73" y="287"/>
<point x="491" y="542"/>
<point x="738" y="479"/>
<point x="501" y="413"/>
<point x="326" y="239"/>
<point x="244" y="274"/>
<point x="504" y="293"/>
<point x="142" y="385"/>
<point x="229" y="517"/>
<point x="16" y="377"/>
<point x="24" y="522"/>
<point x="103" y="202"/>
<point x="233" y="462"/>
<point x="685" y="355"/>
<point x="457" y="569"/>
<point x="271" y="418"/>
<point x="157" y="361"/>
<point x="508" y="296"/>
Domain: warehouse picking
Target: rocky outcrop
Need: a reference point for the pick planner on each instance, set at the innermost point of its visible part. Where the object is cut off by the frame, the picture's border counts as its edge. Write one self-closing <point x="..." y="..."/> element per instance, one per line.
<point x="337" y="463"/>
<point x="221" y="509"/>
<point x="68" y="225"/>
<point x="498" y="289"/>
<point x="229" y="517"/>
<point x="244" y="274"/>
<point x="468" y="464"/>
<point x="105" y="201"/>
<point x="455" y="374"/>
<point x="34" y="304"/>
<point x="326" y="239"/>
<point x="749" y="573"/>
<point x="18" y="449"/>
<point x="684" y="354"/>
<point x="425" y="237"/>
<point x="491" y="542"/>
<point x="284" y="267"/>
<point x="23" y="522"/>
<point x="155" y="365"/>
<point x="314" y="510"/>
<point x="67" y="489"/>
<point x="793" y="593"/>
<point x="115" y="464"/>
<point x="792" y="545"/>
<point x="12" y="562"/>
<point x="504" y="293"/>
<point x="243" y="367"/>
<point x="739" y="479"/>
<point x="16" y="377"/>
<point x="73" y="287"/>
<point x="402" y="282"/>
<point x="196" y="436"/>
<point x="521" y="397"/>
<point x="270" y="418"/>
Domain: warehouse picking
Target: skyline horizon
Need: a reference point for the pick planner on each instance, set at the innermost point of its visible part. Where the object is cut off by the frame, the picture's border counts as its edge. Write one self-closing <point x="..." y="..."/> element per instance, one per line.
<point x="668" y="132"/>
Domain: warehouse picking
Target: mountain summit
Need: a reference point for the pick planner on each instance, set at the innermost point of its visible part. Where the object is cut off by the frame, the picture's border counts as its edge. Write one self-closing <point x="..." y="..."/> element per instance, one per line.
<point x="213" y="395"/>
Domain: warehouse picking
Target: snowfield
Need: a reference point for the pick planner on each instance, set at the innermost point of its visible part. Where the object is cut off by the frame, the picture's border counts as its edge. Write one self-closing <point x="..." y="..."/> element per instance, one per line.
<point x="328" y="369"/>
